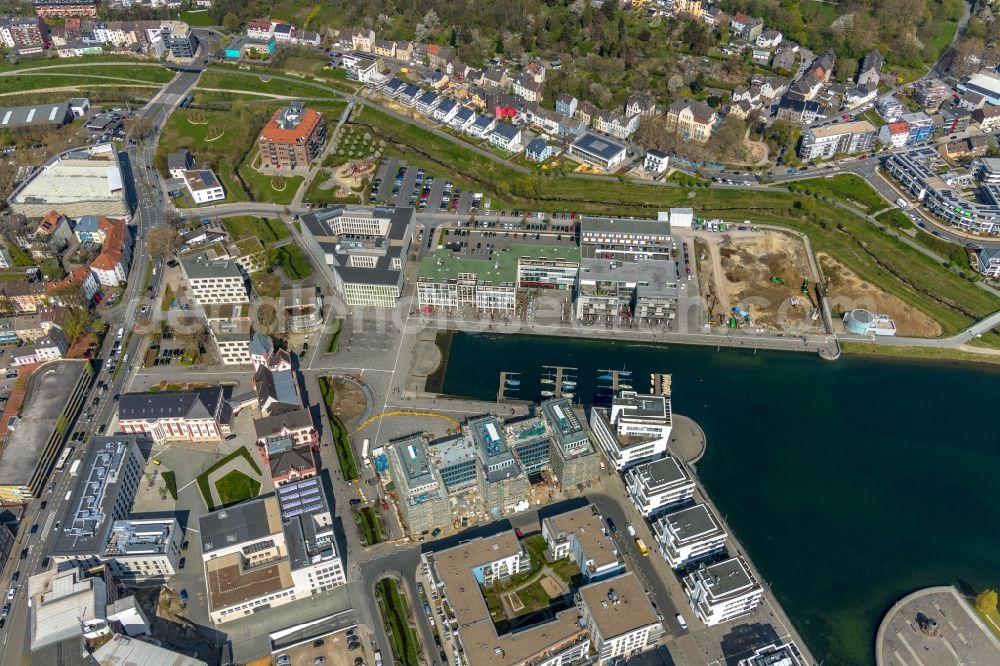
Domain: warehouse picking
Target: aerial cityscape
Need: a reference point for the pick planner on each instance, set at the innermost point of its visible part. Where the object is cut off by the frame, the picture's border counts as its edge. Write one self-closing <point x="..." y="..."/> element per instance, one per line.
<point x="506" y="333"/>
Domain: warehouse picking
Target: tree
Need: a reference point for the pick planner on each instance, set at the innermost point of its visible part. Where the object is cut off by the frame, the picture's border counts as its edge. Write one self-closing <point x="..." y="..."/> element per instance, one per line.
<point x="52" y="269"/>
<point x="138" y="127"/>
<point x="231" y="22"/>
<point x="163" y="240"/>
<point x="193" y="334"/>
<point x="76" y="321"/>
<point x="986" y="602"/>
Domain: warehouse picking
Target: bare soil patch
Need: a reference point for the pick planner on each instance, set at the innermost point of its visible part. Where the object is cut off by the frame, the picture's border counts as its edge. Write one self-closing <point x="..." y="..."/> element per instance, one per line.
<point x="848" y="291"/>
<point x="348" y="401"/>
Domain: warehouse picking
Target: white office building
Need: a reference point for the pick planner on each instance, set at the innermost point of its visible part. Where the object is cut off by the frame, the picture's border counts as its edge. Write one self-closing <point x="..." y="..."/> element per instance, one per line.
<point x="582" y="536"/>
<point x="689" y="535"/>
<point x="621" y="621"/>
<point x="635" y="430"/>
<point x="203" y="186"/>
<point x="658" y="485"/>
<point x="144" y="549"/>
<point x="723" y="591"/>
<point x="214" y="281"/>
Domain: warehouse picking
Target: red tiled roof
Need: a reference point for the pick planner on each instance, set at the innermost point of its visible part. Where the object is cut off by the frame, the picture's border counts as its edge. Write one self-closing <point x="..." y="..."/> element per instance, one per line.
<point x="114" y="244"/>
<point x="50" y="222"/>
<point x="274" y="133"/>
<point x="898" y="128"/>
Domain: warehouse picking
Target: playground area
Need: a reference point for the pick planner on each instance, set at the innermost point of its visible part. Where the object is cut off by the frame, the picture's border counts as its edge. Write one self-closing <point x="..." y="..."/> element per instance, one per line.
<point x="758" y="279"/>
<point x="349" y="177"/>
<point x="848" y="291"/>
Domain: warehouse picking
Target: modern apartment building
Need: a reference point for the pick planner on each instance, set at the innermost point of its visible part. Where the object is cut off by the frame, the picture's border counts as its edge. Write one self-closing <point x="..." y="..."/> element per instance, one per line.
<point x="776" y="654"/>
<point x="421" y="493"/>
<point x="581" y="535"/>
<point x="689" y="535"/>
<point x="214" y="281"/>
<point x="624" y="238"/>
<point x="634" y="430"/>
<point x="829" y="140"/>
<point x="179" y="39"/>
<point x="365" y="250"/>
<point x="659" y="485"/>
<point x="723" y="591"/>
<point x="293" y="137"/>
<point x="143" y="549"/>
<point x="611" y="291"/>
<point x="621" y="620"/>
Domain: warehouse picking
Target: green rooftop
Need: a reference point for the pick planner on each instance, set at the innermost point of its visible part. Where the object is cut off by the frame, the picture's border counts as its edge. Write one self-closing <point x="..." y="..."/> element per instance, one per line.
<point x="444" y="264"/>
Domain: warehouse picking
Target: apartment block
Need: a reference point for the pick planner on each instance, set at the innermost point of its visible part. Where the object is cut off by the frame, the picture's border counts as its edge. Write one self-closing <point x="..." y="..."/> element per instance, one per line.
<point x="635" y="429"/>
<point x="620" y="618"/>
<point x="689" y="535"/>
<point x="581" y="535"/>
<point x="723" y="591"/>
<point x="214" y="281"/>
<point x="292" y="138"/>
<point x="658" y="485"/>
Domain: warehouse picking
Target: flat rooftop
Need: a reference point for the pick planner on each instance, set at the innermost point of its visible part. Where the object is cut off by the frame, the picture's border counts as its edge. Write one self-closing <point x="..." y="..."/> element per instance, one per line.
<point x="501" y="268"/>
<point x="564" y="423"/>
<point x="693" y="523"/>
<point x="726" y="578"/>
<point x="125" y="651"/>
<point x="50" y="388"/>
<point x="200" y="266"/>
<point x="228" y="584"/>
<point x="242" y="523"/>
<point x="622" y="225"/>
<point x="618" y="605"/>
<point x="663" y="472"/>
<point x="588" y="528"/>
<point x="479" y="635"/>
<point x="81" y="175"/>
<point x="412" y="456"/>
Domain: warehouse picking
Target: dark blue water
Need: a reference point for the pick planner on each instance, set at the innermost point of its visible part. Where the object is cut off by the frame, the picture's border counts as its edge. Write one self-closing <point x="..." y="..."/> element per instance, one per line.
<point x="849" y="483"/>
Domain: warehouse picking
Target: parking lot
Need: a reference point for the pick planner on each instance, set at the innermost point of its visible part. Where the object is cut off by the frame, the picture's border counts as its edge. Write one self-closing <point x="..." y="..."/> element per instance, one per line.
<point x="341" y="648"/>
<point x="398" y="184"/>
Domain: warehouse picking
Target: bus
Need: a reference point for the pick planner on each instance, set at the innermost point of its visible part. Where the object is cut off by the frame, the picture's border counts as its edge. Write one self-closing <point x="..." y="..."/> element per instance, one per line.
<point x="67" y="452"/>
<point x="641" y="545"/>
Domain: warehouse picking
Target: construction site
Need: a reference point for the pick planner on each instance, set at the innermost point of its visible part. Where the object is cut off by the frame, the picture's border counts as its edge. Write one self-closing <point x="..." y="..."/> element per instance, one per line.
<point x="761" y="280"/>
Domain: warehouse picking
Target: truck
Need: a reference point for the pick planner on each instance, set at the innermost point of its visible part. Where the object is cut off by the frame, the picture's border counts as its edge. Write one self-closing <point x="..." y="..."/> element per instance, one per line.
<point x="74" y="468"/>
<point x="641" y="545"/>
<point x="364" y="454"/>
<point x="902" y="203"/>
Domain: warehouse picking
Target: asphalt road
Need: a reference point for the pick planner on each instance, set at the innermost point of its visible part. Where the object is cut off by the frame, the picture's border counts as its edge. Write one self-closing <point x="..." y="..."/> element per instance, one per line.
<point x="148" y="212"/>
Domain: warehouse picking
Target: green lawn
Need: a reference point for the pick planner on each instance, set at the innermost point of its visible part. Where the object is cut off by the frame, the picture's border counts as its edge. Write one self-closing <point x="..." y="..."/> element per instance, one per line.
<point x="168" y="298"/>
<point x="920" y="353"/>
<point x="341" y="442"/>
<point x="334" y="340"/>
<point x="293" y="262"/>
<point x="395" y="617"/>
<point x="170" y="481"/>
<point x="534" y="598"/>
<point x="687" y="180"/>
<point x="246" y="226"/>
<point x="202" y="19"/>
<point x="847" y="187"/>
<point x="262" y="185"/>
<point x="260" y="82"/>
<point x="236" y="487"/>
<point x="317" y="194"/>
<point x="23" y="82"/>
<point x="153" y="73"/>
<point x="370" y="525"/>
<point x="33" y="63"/>
<point x="203" y="478"/>
<point x="946" y="33"/>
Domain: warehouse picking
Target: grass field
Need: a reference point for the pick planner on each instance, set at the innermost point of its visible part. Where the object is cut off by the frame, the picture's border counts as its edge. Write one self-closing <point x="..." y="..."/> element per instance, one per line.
<point x="686" y="180"/>
<point x="847" y="187"/>
<point x="921" y="353"/>
<point x="345" y="454"/>
<point x="153" y="73"/>
<point x="370" y="525"/>
<point x="263" y="185"/>
<point x="34" y="63"/>
<point x="203" y="478"/>
<point x="220" y="78"/>
<point x="334" y="340"/>
<point x="198" y="19"/>
<point x="990" y="619"/>
<point x="293" y="262"/>
<point x="23" y="82"/>
<point x="236" y="487"/>
<point x="246" y="226"/>
<point x="170" y="481"/>
<point x="395" y="617"/>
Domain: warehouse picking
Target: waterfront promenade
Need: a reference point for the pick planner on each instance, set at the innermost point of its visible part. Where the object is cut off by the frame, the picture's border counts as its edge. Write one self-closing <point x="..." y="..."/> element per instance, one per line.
<point x="934" y="627"/>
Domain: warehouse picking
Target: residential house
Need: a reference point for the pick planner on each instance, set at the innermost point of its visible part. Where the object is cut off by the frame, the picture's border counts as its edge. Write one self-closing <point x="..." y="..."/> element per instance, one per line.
<point x="769" y="39"/>
<point x="260" y="29"/>
<point x="972" y="100"/>
<point x="691" y="119"/>
<point x="506" y="136"/>
<point x="870" y="70"/>
<point x="179" y="162"/>
<point x="56" y="227"/>
<point x="384" y="48"/>
<point x="988" y="118"/>
<point x="952" y="121"/>
<point x="111" y="266"/>
<point x="464" y="117"/>
<point x="80" y="278"/>
<point x="799" y="111"/>
<point x="784" y="60"/>
<point x="404" y="51"/>
<point x="539" y="150"/>
<point x="894" y="135"/>
<point x="566" y="104"/>
<point x="445" y="111"/>
<point x="655" y="162"/>
<point x="988" y="262"/>
<point x="496" y="77"/>
<point x="49" y="348"/>
<point x="889" y="107"/>
<point x="440" y="56"/>
<point x="640" y="104"/>
<point x="363" y="40"/>
<point x="615" y="125"/>
<point x="750" y="94"/>
<point x="859" y="95"/>
<point x="586" y="111"/>
<point x="528" y="88"/>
